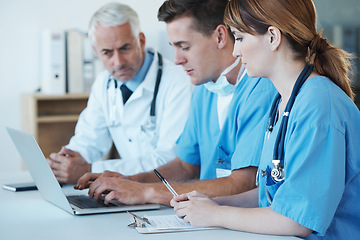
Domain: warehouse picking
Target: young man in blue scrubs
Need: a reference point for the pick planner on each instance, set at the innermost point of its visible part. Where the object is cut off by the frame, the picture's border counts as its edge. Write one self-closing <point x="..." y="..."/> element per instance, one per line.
<point x="228" y="115"/>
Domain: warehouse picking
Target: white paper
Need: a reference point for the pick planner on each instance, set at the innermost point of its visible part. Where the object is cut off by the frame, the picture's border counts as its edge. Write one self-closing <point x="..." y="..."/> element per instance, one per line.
<point x="168" y="223"/>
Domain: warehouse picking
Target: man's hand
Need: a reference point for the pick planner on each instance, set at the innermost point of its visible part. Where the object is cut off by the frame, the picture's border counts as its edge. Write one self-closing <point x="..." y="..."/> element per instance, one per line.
<point x="115" y="187"/>
<point x="68" y="166"/>
<point x="88" y="178"/>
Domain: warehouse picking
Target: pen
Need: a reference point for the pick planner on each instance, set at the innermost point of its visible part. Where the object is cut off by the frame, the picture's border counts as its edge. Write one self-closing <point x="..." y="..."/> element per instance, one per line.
<point x="166" y="183"/>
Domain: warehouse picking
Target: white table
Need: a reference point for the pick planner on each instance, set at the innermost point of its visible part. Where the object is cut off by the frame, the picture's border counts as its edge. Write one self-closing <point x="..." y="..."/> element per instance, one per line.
<point x="26" y="215"/>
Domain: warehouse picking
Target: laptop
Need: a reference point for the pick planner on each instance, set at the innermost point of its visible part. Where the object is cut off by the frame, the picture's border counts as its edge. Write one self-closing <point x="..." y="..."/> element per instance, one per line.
<point x="50" y="188"/>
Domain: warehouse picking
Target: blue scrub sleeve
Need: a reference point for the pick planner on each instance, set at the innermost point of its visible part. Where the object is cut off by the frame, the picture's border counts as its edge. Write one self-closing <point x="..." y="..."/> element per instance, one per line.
<point x="315" y="175"/>
<point x="248" y="149"/>
<point x="188" y="145"/>
<point x="252" y="121"/>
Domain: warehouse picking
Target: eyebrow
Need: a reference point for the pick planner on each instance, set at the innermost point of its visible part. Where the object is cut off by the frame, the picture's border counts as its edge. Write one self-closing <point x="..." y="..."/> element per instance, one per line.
<point x="121" y="47"/>
<point x="106" y="50"/>
<point x="178" y="43"/>
<point x="125" y="45"/>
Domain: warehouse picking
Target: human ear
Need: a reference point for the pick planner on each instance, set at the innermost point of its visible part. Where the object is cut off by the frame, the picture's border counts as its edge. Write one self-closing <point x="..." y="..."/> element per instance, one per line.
<point x="221" y="36"/>
<point x="142" y="39"/>
<point x="274" y="37"/>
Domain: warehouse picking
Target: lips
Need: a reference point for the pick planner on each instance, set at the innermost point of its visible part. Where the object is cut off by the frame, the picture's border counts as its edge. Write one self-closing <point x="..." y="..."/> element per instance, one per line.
<point x="189" y="71"/>
<point x="124" y="72"/>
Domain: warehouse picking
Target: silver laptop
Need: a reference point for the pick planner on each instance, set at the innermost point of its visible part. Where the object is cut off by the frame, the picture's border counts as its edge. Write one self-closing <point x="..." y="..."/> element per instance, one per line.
<point x="51" y="190"/>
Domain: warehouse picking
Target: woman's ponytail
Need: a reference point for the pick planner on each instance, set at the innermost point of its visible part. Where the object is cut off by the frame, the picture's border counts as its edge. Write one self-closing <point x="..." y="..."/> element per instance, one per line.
<point x="332" y="62"/>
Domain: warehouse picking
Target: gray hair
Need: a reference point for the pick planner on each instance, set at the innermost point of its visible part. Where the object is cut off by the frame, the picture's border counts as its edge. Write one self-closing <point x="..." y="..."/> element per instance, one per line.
<point x="113" y="15"/>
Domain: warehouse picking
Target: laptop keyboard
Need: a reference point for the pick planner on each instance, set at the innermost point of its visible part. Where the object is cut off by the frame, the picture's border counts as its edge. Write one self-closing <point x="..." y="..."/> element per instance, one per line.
<point x="83" y="202"/>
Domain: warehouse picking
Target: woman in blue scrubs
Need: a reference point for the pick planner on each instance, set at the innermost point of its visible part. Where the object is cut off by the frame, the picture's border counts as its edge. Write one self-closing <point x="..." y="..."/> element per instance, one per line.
<point x="308" y="178"/>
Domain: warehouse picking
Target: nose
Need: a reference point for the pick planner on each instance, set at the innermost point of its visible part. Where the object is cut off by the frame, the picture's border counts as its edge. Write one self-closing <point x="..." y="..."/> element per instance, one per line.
<point x="118" y="59"/>
<point x="236" y="51"/>
<point x="179" y="58"/>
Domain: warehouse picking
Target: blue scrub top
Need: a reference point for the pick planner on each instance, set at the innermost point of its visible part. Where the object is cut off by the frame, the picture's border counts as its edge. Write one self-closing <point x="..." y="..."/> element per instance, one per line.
<point x="202" y="143"/>
<point x="321" y="190"/>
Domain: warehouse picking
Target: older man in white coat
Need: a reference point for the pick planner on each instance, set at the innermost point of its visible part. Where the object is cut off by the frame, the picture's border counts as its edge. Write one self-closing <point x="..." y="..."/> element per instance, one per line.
<point x="140" y="103"/>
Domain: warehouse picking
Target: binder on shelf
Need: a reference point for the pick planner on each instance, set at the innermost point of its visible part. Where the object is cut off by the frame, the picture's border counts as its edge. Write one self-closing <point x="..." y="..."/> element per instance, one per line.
<point x="80" y="73"/>
<point x="68" y="62"/>
<point x="74" y="61"/>
<point x="53" y="62"/>
<point x="88" y="65"/>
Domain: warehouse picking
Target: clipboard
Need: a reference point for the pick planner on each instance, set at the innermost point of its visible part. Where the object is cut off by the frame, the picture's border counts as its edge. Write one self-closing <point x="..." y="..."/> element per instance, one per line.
<point x="162" y="224"/>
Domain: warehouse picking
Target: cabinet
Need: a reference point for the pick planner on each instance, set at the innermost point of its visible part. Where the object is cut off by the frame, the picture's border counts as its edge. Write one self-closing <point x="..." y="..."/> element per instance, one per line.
<point x="52" y="118"/>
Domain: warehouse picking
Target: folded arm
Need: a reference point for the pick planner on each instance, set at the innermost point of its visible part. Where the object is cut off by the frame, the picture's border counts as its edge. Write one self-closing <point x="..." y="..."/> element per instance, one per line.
<point x="67" y="165"/>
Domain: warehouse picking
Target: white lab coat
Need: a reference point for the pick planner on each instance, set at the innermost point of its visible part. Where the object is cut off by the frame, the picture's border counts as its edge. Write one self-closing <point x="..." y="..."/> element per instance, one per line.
<point x="139" y="150"/>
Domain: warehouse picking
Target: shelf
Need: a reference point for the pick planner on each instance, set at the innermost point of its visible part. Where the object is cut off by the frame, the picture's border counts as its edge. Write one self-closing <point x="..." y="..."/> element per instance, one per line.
<point x="41" y="96"/>
<point x="54" y="119"/>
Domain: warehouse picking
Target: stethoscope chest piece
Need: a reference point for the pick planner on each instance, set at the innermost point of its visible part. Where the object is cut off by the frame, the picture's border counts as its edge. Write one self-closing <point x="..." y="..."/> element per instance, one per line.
<point x="150" y="125"/>
<point x="277" y="173"/>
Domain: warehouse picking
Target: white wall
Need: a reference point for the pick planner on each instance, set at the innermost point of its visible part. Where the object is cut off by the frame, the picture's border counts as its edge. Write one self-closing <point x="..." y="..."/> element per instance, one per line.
<point x="21" y="23"/>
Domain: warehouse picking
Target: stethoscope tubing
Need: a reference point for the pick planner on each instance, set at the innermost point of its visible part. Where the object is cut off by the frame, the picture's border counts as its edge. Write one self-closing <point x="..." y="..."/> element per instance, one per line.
<point x="278" y="154"/>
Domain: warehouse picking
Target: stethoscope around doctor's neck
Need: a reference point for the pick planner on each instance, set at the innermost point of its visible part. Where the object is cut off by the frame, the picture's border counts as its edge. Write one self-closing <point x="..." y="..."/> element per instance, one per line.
<point x="278" y="172"/>
<point x="112" y="92"/>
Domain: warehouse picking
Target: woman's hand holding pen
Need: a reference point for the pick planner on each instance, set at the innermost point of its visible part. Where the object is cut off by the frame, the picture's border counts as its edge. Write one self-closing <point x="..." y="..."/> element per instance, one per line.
<point x="195" y="208"/>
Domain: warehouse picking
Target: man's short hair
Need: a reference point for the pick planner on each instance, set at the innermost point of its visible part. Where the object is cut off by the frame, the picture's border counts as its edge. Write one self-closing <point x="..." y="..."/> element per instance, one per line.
<point x="207" y="14"/>
<point x="113" y="15"/>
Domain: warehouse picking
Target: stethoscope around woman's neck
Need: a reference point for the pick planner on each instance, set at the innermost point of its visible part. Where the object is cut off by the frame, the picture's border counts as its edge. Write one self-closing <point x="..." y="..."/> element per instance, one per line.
<point x="278" y="173"/>
<point x="150" y="125"/>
